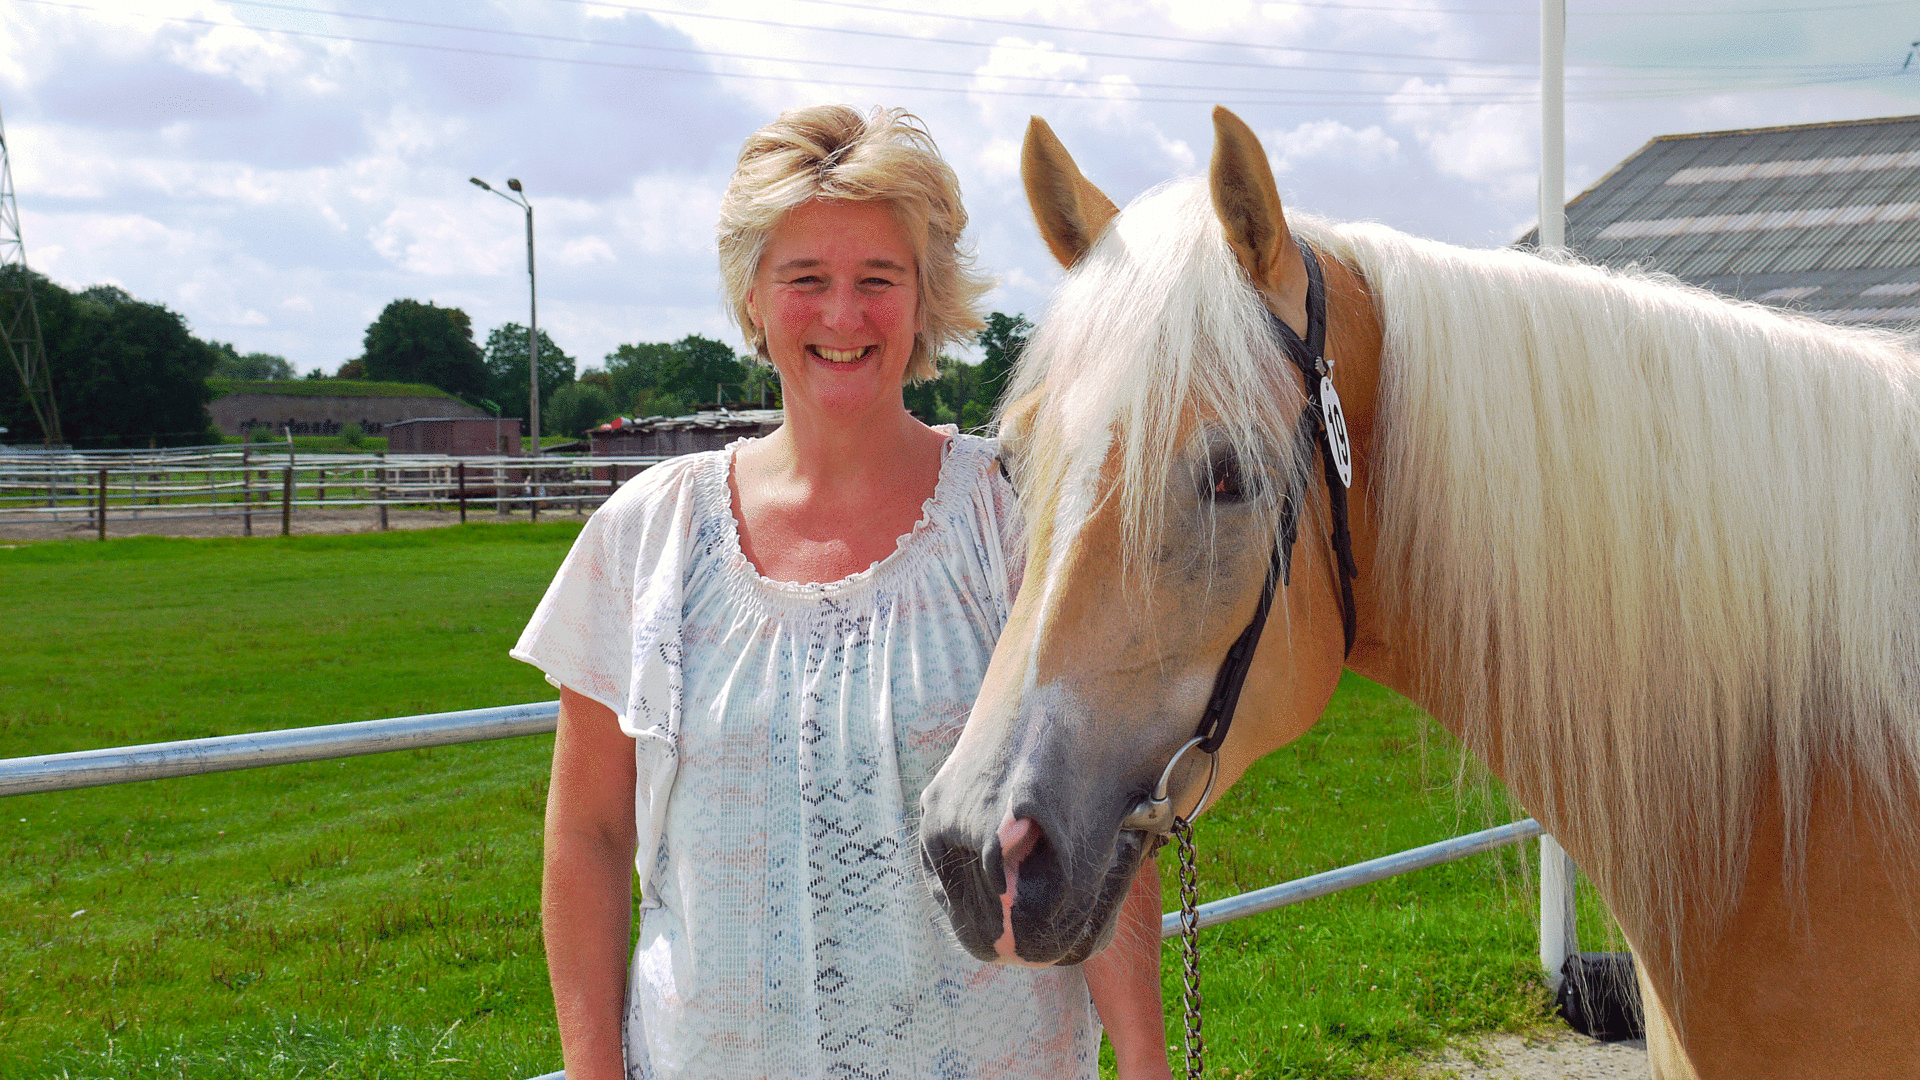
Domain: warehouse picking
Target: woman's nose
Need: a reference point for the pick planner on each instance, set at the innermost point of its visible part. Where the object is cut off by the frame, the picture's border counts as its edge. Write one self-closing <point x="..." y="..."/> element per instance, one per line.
<point x="842" y="311"/>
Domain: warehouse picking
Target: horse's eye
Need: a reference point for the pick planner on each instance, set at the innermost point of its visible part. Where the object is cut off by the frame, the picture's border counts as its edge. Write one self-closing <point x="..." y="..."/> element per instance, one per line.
<point x="1224" y="483"/>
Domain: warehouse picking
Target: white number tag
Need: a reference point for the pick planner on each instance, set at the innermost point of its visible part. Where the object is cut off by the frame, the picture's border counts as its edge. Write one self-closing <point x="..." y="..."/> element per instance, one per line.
<point x="1336" y="431"/>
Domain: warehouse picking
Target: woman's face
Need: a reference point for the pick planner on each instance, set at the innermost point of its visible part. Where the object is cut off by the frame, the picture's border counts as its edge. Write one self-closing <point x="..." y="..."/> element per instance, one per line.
<point x="837" y="295"/>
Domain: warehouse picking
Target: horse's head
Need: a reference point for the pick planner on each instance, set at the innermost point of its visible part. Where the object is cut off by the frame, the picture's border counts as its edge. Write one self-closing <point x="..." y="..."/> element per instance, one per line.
<point x="1153" y="438"/>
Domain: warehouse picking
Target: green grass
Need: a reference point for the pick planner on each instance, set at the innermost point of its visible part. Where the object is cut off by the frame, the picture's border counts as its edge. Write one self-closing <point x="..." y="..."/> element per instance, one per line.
<point x="377" y="916"/>
<point x="324" y="388"/>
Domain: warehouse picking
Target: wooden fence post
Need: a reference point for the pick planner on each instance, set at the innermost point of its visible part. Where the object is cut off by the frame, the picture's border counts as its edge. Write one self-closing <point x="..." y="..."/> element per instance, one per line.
<point x="286" y="501"/>
<point x="103" y="504"/>
<point x="460" y="471"/>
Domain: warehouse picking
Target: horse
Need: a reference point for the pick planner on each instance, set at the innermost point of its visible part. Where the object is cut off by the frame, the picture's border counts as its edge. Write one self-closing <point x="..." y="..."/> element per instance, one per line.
<point x="1652" y="555"/>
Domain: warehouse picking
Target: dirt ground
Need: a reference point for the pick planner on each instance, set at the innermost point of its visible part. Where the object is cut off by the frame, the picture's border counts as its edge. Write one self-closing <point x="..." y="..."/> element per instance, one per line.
<point x="266" y="522"/>
<point x="1550" y="1055"/>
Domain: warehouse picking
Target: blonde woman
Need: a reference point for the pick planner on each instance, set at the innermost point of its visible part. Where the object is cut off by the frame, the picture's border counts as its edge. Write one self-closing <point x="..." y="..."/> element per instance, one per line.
<point x="765" y="653"/>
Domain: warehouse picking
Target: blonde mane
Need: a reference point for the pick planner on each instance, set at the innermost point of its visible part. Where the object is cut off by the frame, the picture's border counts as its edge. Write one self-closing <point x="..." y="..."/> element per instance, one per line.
<point x="1661" y="549"/>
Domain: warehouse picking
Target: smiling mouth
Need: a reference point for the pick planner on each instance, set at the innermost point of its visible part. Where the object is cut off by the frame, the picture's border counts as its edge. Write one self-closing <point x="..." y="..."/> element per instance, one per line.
<point x="841" y="356"/>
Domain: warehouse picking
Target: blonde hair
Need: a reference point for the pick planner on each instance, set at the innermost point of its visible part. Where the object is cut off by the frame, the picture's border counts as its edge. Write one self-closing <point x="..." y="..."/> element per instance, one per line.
<point x="832" y="152"/>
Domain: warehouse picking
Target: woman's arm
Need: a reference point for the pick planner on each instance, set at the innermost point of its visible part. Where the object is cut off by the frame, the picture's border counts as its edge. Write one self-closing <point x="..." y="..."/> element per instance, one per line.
<point x="1124" y="979"/>
<point x="586" y="897"/>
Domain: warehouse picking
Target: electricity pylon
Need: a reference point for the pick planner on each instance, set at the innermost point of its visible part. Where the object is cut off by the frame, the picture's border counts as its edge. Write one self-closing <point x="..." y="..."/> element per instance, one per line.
<point x="19" y="321"/>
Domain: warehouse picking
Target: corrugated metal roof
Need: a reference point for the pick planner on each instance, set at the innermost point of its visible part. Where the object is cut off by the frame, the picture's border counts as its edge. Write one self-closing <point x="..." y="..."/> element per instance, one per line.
<point x="1811" y="217"/>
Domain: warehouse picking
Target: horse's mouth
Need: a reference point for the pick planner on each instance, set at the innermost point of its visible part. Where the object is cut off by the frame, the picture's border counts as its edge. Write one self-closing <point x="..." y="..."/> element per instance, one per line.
<point x="1053" y="918"/>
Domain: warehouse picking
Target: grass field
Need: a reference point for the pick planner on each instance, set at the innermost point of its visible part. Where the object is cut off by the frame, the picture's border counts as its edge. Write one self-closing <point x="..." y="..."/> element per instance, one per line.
<point x="377" y="916"/>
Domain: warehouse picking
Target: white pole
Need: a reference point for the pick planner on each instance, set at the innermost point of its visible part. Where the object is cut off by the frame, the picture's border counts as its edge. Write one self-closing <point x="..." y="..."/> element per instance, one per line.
<point x="1553" y="123"/>
<point x="1559" y="935"/>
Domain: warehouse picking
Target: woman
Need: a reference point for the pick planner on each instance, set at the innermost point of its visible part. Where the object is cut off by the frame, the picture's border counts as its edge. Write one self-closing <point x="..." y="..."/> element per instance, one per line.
<point x="764" y="654"/>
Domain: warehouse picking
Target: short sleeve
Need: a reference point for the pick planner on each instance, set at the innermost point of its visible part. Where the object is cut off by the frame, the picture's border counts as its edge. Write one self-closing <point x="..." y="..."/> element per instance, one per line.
<point x="609" y="626"/>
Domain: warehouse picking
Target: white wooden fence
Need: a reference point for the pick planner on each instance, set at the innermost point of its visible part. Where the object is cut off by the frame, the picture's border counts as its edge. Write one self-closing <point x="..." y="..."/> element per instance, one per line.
<point x="266" y="490"/>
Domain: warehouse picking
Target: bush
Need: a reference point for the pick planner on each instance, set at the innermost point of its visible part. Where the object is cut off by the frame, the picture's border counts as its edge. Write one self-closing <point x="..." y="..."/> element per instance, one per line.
<point x="575" y="407"/>
<point x="353" y="435"/>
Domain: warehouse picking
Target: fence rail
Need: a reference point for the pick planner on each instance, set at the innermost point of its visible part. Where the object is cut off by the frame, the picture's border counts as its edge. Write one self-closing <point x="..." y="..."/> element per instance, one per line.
<point x="153" y="761"/>
<point x="243" y="483"/>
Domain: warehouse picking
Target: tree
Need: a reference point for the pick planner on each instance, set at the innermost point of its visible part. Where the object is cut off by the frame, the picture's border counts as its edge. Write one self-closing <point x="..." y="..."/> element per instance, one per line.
<point x="939" y="400"/>
<point x="650" y="376"/>
<point x="424" y="343"/>
<point x="124" y="372"/>
<point x="1002" y="341"/>
<point x="507" y="369"/>
<point x="574" y="408"/>
<point x="253" y="367"/>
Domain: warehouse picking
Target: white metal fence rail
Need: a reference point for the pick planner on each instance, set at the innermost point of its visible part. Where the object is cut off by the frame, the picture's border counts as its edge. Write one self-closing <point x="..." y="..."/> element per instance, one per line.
<point x="249" y="483"/>
<point x="187" y="757"/>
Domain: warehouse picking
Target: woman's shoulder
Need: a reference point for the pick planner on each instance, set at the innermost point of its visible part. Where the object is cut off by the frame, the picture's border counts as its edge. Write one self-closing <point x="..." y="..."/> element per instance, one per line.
<point x="660" y="503"/>
<point x="976" y="456"/>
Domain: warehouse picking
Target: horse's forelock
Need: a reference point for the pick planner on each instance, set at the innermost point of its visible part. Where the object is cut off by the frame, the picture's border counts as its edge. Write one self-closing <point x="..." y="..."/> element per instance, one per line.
<point x="1154" y="335"/>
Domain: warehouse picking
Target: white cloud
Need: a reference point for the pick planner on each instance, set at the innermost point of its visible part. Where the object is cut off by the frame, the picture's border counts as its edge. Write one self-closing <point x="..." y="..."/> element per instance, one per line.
<point x="1496" y="145"/>
<point x="280" y="190"/>
<point x="1318" y="141"/>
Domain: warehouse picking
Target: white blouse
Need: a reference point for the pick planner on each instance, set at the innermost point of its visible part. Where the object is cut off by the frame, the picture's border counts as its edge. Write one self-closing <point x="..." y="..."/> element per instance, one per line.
<point x="783" y="734"/>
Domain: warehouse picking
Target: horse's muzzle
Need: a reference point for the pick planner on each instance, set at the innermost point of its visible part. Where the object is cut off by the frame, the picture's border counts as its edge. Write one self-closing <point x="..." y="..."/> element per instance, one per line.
<point x="1049" y="908"/>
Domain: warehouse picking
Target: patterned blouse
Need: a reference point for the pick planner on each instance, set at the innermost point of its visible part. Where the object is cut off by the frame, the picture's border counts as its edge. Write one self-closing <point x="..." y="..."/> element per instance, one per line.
<point x="783" y="734"/>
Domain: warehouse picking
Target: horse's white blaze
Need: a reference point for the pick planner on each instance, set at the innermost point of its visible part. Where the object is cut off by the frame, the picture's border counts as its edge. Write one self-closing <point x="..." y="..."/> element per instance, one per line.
<point x="1071" y="513"/>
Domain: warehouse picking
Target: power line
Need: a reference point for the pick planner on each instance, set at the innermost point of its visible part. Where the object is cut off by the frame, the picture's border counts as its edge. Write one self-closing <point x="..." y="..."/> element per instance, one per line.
<point x="616" y="5"/>
<point x="1261" y="66"/>
<point x="1303" y="97"/>
<point x="1528" y="11"/>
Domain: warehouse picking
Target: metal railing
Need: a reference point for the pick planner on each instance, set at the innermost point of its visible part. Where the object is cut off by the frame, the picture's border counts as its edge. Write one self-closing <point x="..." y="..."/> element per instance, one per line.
<point x="222" y="753"/>
<point x="268" y="481"/>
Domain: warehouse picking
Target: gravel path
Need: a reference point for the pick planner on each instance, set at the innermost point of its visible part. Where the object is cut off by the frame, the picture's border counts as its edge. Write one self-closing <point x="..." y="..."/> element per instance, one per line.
<point x="1545" y="1055"/>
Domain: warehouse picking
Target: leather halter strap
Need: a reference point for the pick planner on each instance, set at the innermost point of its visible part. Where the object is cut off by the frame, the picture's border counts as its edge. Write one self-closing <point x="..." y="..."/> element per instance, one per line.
<point x="1309" y="355"/>
<point x="1155" y="814"/>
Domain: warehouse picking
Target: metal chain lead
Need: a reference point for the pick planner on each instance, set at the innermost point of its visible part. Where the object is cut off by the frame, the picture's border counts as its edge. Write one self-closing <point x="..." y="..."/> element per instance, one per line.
<point x="1190" y="948"/>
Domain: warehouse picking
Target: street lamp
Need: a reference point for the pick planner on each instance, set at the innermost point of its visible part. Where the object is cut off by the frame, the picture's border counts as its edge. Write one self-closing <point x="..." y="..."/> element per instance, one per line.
<point x="519" y="198"/>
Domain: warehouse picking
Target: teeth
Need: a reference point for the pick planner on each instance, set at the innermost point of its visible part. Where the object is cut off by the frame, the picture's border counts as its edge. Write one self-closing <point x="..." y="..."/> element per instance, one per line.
<point x="840" y="356"/>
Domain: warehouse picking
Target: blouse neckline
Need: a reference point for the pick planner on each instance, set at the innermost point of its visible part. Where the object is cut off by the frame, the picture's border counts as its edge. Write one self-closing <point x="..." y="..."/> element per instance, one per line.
<point x="717" y="493"/>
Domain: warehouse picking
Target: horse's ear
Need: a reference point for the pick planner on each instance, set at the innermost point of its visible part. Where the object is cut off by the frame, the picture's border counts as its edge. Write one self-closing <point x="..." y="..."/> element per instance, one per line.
<point x="1248" y="204"/>
<point x="1070" y="210"/>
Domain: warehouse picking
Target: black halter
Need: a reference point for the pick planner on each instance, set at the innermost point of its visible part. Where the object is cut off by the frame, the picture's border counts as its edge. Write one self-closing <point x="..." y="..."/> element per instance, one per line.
<point x="1322" y="428"/>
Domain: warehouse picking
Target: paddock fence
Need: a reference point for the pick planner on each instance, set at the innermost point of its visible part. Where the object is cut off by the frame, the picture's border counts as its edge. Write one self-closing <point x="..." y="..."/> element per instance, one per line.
<point x="267" y="489"/>
<point x="224" y="753"/>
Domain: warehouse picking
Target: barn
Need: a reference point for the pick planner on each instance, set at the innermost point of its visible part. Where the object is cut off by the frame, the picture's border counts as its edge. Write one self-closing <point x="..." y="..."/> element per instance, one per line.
<point x="1820" y="218"/>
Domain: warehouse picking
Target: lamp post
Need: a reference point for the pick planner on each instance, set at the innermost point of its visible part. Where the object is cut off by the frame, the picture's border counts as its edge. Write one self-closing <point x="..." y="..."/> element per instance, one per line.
<point x="519" y="198"/>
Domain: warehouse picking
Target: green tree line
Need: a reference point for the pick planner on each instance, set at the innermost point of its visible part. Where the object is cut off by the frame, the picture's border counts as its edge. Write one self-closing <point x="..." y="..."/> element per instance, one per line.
<point x="129" y="373"/>
<point x="124" y="373"/>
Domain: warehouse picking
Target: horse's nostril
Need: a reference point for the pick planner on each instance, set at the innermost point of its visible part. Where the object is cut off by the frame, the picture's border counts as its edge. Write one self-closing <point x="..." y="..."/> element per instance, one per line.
<point x="1018" y="837"/>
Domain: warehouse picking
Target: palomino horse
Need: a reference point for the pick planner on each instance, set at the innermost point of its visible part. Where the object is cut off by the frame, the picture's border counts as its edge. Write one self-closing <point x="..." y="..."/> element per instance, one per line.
<point x="1652" y="555"/>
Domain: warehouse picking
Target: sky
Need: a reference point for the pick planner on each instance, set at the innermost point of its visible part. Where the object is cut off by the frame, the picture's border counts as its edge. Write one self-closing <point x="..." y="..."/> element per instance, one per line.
<point x="278" y="172"/>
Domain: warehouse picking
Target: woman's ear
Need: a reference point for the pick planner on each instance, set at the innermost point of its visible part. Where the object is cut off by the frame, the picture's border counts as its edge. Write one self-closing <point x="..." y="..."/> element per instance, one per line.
<point x="753" y="311"/>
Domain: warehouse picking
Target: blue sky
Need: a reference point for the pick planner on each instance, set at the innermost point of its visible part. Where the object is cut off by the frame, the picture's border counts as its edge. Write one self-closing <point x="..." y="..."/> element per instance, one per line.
<point x="278" y="172"/>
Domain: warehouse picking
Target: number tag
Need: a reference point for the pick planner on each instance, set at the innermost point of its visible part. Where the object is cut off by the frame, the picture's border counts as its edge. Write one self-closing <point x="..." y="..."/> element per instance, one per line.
<point x="1336" y="422"/>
